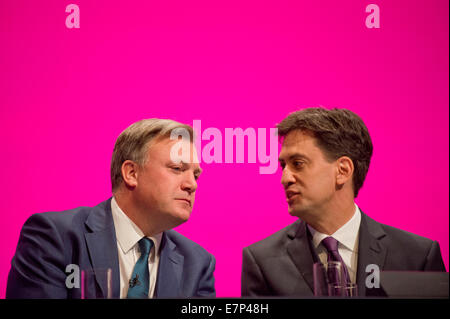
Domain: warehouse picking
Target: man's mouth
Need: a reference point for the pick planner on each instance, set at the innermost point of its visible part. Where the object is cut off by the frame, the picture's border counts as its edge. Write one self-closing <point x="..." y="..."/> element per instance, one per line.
<point x="184" y="200"/>
<point x="290" y="195"/>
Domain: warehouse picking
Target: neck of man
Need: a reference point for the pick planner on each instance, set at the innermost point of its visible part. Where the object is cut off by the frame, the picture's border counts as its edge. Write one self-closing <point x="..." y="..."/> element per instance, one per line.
<point x="148" y="224"/>
<point x="329" y="218"/>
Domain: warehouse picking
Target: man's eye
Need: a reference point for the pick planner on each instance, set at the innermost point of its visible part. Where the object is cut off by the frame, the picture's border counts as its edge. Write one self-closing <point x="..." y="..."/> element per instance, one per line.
<point x="298" y="164"/>
<point x="177" y="168"/>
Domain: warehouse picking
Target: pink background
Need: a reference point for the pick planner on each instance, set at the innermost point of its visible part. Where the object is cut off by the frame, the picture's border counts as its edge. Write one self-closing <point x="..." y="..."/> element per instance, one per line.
<point x="65" y="95"/>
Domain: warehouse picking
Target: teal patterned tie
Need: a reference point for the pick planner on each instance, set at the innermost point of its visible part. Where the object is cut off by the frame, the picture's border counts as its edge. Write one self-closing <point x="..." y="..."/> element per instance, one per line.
<point x="140" y="279"/>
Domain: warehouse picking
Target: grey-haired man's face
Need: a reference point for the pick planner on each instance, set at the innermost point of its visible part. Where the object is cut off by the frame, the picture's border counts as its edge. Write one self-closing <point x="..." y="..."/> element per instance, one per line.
<point x="165" y="188"/>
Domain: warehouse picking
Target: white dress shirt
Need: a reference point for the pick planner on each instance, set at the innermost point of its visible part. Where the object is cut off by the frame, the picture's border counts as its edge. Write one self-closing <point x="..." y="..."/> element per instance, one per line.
<point x="347" y="236"/>
<point x="128" y="235"/>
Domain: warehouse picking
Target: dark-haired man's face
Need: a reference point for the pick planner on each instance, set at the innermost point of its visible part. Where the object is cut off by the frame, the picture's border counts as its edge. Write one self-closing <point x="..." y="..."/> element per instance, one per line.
<point x="308" y="178"/>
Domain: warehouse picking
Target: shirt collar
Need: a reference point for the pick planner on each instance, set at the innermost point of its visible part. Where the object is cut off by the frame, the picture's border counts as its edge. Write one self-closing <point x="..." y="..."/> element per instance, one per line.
<point x="347" y="235"/>
<point x="128" y="234"/>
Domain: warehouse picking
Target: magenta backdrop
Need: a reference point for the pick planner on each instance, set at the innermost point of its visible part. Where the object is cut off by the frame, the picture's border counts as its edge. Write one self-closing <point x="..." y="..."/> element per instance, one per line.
<point x="66" y="94"/>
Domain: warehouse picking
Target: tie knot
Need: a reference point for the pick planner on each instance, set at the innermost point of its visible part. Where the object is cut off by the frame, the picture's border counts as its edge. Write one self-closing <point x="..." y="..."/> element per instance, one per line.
<point x="145" y="245"/>
<point x="330" y="244"/>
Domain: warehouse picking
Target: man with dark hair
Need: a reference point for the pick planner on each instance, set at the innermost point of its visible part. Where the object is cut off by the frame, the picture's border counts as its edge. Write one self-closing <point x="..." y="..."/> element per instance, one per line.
<point x="130" y="234"/>
<point x="325" y="158"/>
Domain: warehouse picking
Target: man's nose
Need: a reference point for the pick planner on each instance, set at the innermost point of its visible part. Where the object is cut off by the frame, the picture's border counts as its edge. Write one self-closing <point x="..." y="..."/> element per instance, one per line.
<point x="189" y="183"/>
<point x="287" y="178"/>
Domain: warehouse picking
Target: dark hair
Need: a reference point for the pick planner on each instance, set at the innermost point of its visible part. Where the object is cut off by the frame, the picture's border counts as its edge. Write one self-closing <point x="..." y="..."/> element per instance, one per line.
<point x="338" y="132"/>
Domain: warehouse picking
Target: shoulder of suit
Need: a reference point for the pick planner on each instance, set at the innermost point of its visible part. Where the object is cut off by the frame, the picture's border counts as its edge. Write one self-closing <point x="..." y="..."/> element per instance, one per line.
<point x="184" y="243"/>
<point x="402" y="237"/>
<point x="277" y="239"/>
<point x="65" y="220"/>
<point x="408" y="236"/>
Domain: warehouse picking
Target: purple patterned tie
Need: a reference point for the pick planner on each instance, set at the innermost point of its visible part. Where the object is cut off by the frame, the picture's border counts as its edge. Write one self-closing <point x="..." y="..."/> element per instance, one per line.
<point x="331" y="245"/>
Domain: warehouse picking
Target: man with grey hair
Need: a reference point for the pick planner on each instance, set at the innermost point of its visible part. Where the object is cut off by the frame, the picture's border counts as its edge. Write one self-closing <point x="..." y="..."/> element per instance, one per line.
<point x="130" y="234"/>
<point x="325" y="157"/>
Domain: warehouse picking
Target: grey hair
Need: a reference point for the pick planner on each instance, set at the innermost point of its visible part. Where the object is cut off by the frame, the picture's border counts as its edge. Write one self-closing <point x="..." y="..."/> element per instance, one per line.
<point x="133" y="143"/>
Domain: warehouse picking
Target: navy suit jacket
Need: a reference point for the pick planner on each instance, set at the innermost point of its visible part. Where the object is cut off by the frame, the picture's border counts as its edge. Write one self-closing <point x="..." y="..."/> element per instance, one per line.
<point x="86" y="236"/>
<point x="282" y="264"/>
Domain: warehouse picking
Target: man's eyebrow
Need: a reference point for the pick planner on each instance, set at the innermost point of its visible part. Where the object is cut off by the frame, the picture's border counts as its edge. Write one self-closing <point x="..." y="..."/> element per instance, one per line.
<point x="295" y="156"/>
<point x="197" y="171"/>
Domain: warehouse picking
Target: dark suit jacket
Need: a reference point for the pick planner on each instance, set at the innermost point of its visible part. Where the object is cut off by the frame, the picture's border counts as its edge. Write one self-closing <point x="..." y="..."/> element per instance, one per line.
<point x="282" y="264"/>
<point x="86" y="236"/>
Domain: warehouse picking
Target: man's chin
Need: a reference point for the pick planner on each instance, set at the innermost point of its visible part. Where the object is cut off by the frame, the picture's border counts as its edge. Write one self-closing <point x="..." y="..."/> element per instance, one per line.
<point x="296" y="211"/>
<point x="181" y="216"/>
<point x="293" y="213"/>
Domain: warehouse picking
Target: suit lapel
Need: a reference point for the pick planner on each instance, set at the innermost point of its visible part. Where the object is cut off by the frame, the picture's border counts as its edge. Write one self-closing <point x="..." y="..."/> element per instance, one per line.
<point x="170" y="270"/>
<point x="370" y="250"/>
<point x="102" y="246"/>
<point x="299" y="250"/>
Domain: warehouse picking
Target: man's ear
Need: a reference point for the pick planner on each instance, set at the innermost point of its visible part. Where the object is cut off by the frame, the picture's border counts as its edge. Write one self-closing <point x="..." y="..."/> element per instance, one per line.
<point x="130" y="173"/>
<point x="345" y="169"/>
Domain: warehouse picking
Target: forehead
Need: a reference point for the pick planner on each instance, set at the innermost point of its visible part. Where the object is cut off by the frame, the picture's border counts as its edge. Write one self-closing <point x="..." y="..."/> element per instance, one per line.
<point x="161" y="148"/>
<point x="299" y="142"/>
